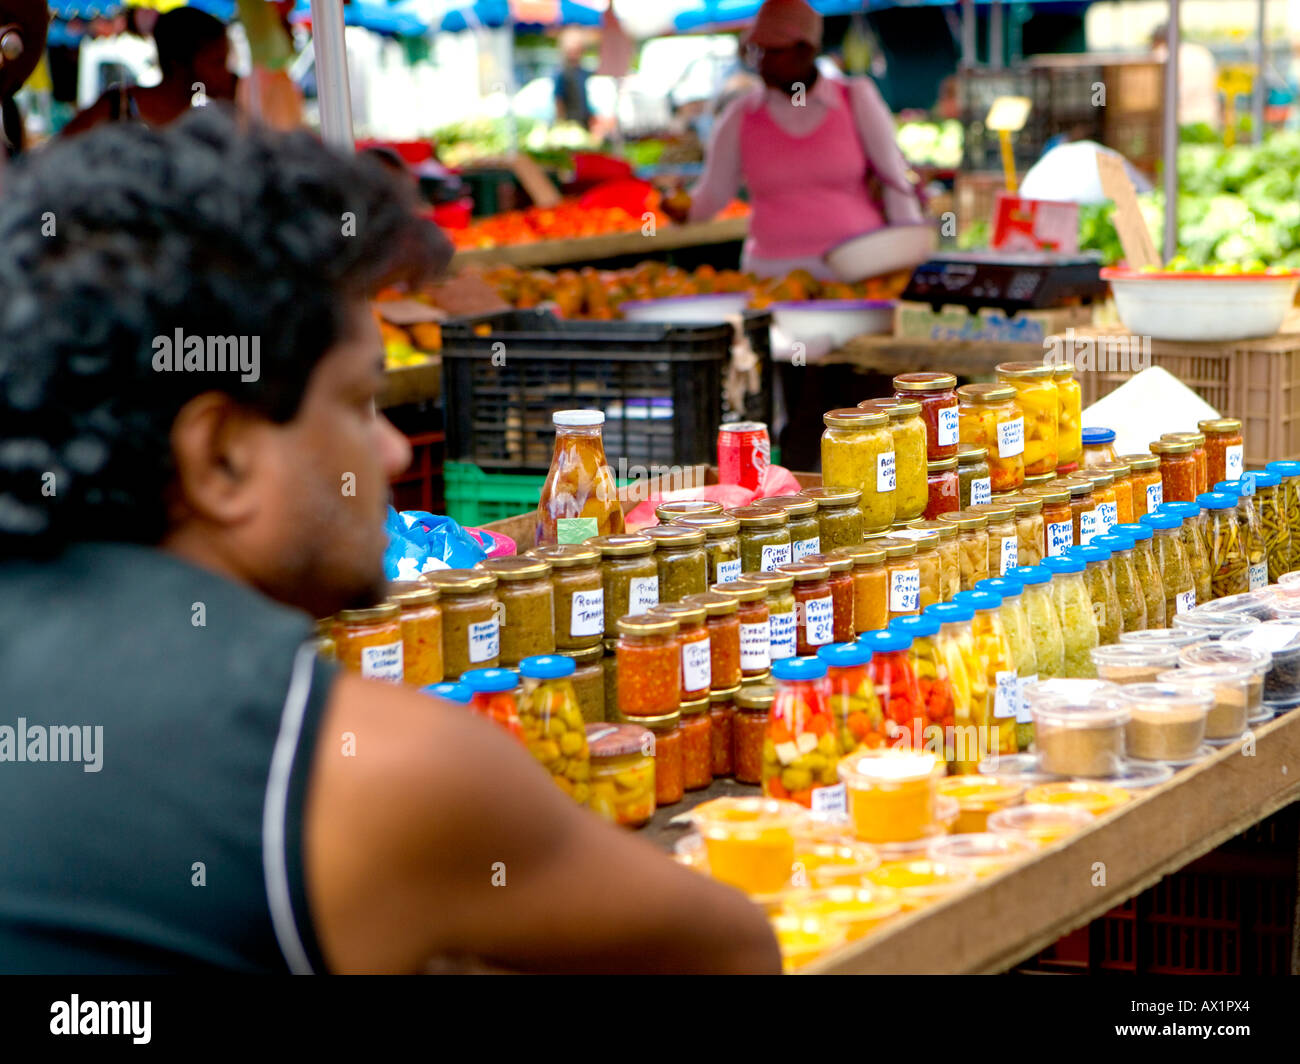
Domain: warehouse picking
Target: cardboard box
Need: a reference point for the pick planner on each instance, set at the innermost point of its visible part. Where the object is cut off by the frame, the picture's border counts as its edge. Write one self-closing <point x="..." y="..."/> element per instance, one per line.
<point x="919" y="321"/>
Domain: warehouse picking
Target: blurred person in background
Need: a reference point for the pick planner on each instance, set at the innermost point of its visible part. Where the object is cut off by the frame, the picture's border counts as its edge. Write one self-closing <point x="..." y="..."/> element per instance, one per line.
<point x="1198" y="79"/>
<point x="572" y="103"/>
<point x="249" y="807"/>
<point x="193" y="50"/>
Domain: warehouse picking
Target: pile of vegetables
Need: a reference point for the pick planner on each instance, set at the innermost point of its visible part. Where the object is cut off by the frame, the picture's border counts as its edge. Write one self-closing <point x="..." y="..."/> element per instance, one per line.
<point x="931" y="143"/>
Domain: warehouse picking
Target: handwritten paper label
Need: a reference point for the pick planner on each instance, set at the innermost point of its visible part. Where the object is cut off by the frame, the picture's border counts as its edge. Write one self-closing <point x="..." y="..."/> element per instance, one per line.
<point x="755" y="643"/>
<point x="1258" y="576"/>
<point x="981" y="491"/>
<point x="1155" y="496"/>
<point x="1023" y="716"/>
<point x="1010" y="554"/>
<point x="805" y="547"/>
<point x="781" y="635"/>
<point x="829" y="801"/>
<point x="1007" y="697"/>
<point x="819" y="616"/>
<point x="1060" y="534"/>
<point x="885" y="479"/>
<point x="1233" y="461"/>
<point x="643" y="592"/>
<point x="587" y="614"/>
<point x="1089" y="526"/>
<point x="697" y="672"/>
<point x="1108" y="514"/>
<point x="484" y="641"/>
<point x="1011" y="438"/>
<point x="1184" y="601"/>
<point x="382" y="662"/>
<point x="728" y="571"/>
<point x="773" y="555"/>
<point x="905" y="591"/>
<point x="947" y="426"/>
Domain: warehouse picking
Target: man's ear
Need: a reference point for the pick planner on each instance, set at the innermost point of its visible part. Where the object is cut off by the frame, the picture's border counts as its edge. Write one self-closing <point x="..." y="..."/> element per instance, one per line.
<point x="216" y="446"/>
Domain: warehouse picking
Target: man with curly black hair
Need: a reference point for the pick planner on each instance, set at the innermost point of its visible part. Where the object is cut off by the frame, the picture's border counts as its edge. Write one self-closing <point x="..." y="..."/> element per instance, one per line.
<point x="185" y="785"/>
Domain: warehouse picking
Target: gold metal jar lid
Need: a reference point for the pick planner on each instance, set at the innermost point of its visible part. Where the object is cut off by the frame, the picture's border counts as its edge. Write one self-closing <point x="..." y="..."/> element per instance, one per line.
<point x="1063" y="371"/>
<point x="863" y="554"/>
<point x="773" y="580"/>
<point x="741" y="590"/>
<point x="1024" y="371"/>
<point x="897" y="409"/>
<point x="607" y="740"/>
<point x="836" y="563"/>
<point x="585" y="655"/>
<point x="970" y="453"/>
<point x="1172" y="447"/>
<point x="686" y="614"/>
<point x="963" y="521"/>
<point x="1099" y="477"/>
<point x="898" y="548"/>
<point x="1118" y="469"/>
<point x="714" y="526"/>
<point x="1220" y="426"/>
<point x="1141" y="462"/>
<point x="674" y="537"/>
<point x="462" y="581"/>
<point x="924" y="382"/>
<point x="992" y="511"/>
<point x="852" y="418"/>
<point x="756" y="696"/>
<point x="805" y="572"/>
<point x="516" y="567"/>
<point x="724" y="694"/>
<point x="1027" y="504"/>
<point x="924" y="538"/>
<point x="385" y="611"/>
<point x="756" y="516"/>
<point x="1196" y="439"/>
<point x="665" y="723"/>
<point x="986" y="393"/>
<point x="940" y="465"/>
<point x="1049" y="493"/>
<point x="832" y="495"/>
<point x="794" y="505"/>
<point x="408" y="594"/>
<point x="670" y="511"/>
<point x="621" y="544"/>
<point x="1039" y="478"/>
<point x="714" y="603"/>
<point x="647" y="624"/>
<point x="696" y="706"/>
<point x="1075" y="485"/>
<point x="566" y="555"/>
<point x="946" y="529"/>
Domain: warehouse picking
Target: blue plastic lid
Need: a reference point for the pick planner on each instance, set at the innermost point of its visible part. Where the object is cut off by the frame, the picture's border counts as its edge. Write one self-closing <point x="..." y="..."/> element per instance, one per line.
<point x="1112" y="541"/>
<point x="949" y="611"/>
<point x="844" y="655"/>
<point x="1030" y="574"/>
<point x="1064" y="563"/>
<point x="1135" y="531"/>
<point x="1266" y="479"/>
<point x="884" y="639"/>
<point x="452" y="692"/>
<point x="1162" y="519"/>
<point x="1182" y="510"/>
<point x="1001" y="585"/>
<point x="1092" y="434"/>
<point x="1094" y="552"/>
<point x="1244" y="486"/>
<point x="979" y="600"/>
<point x="1216" y="500"/>
<point x="1284" y="468"/>
<point x="920" y="625"/>
<point x="798" y="669"/>
<point x="547" y="667"/>
<point x="488" y="680"/>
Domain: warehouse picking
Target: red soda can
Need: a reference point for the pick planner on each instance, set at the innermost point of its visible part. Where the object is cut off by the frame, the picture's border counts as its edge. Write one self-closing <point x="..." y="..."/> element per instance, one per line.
<point x="744" y="453"/>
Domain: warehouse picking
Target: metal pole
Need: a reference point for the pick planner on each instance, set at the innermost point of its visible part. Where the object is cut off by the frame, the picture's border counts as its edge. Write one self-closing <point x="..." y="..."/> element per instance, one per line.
<point x="968" y="33"/>
<point x="995" y="35"/>
<point x="1261" y="61"/>
<point x="332" y="87"/>
<point x="1169" y="135"/>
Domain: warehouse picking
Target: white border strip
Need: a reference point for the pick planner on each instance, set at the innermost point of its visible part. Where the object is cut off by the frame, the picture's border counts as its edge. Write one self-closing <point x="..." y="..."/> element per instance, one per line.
<point x="275" y="868"/>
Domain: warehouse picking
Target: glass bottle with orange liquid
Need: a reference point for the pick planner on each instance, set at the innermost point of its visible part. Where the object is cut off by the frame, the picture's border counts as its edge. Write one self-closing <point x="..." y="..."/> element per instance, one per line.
<point x="580" y="497"/>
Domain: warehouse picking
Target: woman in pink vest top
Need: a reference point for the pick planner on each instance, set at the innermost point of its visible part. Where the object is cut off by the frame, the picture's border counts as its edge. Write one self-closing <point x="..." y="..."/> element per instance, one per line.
<point x="818" y="156"/>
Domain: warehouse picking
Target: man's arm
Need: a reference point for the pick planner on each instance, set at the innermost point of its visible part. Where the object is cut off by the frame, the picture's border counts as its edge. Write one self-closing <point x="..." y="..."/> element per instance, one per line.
<point x="875" y="125"/>
<point x="442" y="836"/>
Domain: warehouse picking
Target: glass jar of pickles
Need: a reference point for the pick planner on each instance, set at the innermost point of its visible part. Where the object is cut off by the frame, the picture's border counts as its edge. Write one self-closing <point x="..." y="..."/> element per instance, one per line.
<point x="753" y="705"/>
<point x="697" y="745"/>
<point x="1074" y="611"/>
<point x="802" y="749"/>
<point x="972" y="546"/>
<point x="1103" y="497"/>
<point x="949" y="556"/>
<point x="933" y="718"/>
<point x="1229" y="564"/>
<point x="752" y="621"/>
<point x="1171" y="557"/>
<point x="1120" y="473"/>
<point x="994" y="657"/>
<point x="928" y="561"/>
<point x="1031" y="530"/>
<point x="839" y="516"/>
<point x="471" y="634"/>
<point x="1044" y="623"/>
<point x="904" y="577"/>
<point x="781" y="613"/>
<point x="579" y="498"/>
<point x="1128" y="588"/>
<point x="1178" y="476"/>
<point x="1024" y="654"/>
<point x="494" y="695"/>
<point x="649" y="671"/>
<point x="721" y="545"/>
<point x="989" y="418"/>
<point x="629" y="574"/>
<point x="1269" y="501"/>
<point x="1290" y="487"/>
<point x="421" y="622"/>
<point x="1004" y="540"/>
<point x="805" y="530"/>
<point x="1147" y="569"/>
<point x="974" y="482"/>
<point x="723" y="623"/>
<point x="1224" y="449"/>
<point x="588" y="680"/>
<point x="910" y="447"/>
<point x="1058" y="519"/>
<point x="369" y="641"/>
<point x="1197" y="440"/>
<point x="579" y="591"/>
<point x="1148" y="492"/>
<point x="622" y="773"/>
<point x="668" y="512"/>
<point x="554" y="731"/>
<point x="944" y="493"/>
<point x="858" y="452"/>
<point x="722" y="716"/>
<point x="1252" y="536"/>
<point x="1193" y="537"/>
<point x="936" y="392"/>
<point x="1084" y="517"/>
<point x="1098" y="446"/>
<point x="679" y="558"/>
<point x="764" y="537"/>
<point x="527" y="600"/>
<point x="1069" y="398"/>
<point x="956" y="647"/>
<point x="693" y="647"/>
<point x="840" y="582"/>
<point x="670" y="782"/>
<point x="870" y="585"/>
<point x="1038" y="403"/>
<point x="851" y="695"/>
<point x="1100" y="578"/>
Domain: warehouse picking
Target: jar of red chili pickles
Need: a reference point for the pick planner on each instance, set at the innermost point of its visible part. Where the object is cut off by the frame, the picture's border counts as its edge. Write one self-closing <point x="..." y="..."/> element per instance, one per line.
<point x="693" y="643"/>
<point x="895" y="683"/>
<point x="870" y="585"/>
<point x="722" y="715"/>
<point x="1177" y="469"/>
<point x="1224" y="448"/>
<point x="670" y="782"/>
<point x="1197" y="440"/>
<point x="749" y="729"/>
<point x="851" y="695"/>
<point x="755" y="633"/>
<point x="649" y="672"/>
<point x="936" y="392"/>
<point x="697" y="744"/>
<point x="841" y="582"/>
<point x="1148" y="491"/>
<point x="723" y="622"/>
<point x="802" y="752"/>
<point x="814" y="606"/>
<point x="945" y="496"/>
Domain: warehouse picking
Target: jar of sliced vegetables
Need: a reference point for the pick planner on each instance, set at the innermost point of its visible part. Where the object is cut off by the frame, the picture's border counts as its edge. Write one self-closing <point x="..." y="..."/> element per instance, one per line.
<point x="1037" y="400"/>
<point x="989" y="418"/>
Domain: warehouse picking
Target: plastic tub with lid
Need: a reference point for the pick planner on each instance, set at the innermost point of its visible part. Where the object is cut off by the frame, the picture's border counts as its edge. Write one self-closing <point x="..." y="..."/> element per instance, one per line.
<point x="1166" y="721"/>
<point x="1203" y="307"/>
<point x="1041" y="825"/>
<point x="985" y="853"/>
<point x="1078" y="736"/>
<point x="1281" y="640"/>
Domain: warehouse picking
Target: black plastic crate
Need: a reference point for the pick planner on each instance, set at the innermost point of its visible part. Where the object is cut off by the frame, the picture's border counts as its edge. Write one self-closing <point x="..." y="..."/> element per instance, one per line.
<point x="659" y="385"/>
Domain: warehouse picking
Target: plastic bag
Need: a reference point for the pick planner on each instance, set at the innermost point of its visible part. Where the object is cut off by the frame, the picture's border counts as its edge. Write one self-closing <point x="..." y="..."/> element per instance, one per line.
<point x="419" y="542"/>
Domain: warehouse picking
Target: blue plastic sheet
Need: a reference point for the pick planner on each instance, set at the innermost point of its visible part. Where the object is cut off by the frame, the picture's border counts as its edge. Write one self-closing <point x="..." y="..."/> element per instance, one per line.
<point x="420" y="541"/>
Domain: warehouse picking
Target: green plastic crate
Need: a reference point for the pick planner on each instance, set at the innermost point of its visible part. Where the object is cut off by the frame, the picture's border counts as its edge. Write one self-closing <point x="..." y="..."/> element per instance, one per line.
<point x="475" y="498"/>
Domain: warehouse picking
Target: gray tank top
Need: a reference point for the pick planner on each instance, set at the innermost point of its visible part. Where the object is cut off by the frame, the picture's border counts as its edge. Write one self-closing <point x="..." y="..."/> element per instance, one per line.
<point x="153" y="769"/>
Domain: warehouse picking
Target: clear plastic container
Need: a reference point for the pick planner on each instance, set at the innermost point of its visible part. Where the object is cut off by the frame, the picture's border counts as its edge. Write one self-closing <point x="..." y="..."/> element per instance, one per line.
<point x="892" y="794"/>
<point x="1230" y="686"/>
<point x="804" y="937"/>
<point x="1168" y="637"/>
<point x="1041" y="825"/>
<point x="749" y="842"/>
<point x="1166" y="721"/>
<point x="1282" y="641"/>
<point x="1259" y="604"/>
<point x="1079" y="736"/>
<point x="1254" y="660"/>
<point x="1215" y="626"/>
<point x="1097" y="798"/>
<point x="984" y="853"/>
<point x="1133" y="662"/>
<point x="819" y="864"/>
<point x="923" y="881"/>
<point x="856" y="909"/>
<point x="977" y="797"/>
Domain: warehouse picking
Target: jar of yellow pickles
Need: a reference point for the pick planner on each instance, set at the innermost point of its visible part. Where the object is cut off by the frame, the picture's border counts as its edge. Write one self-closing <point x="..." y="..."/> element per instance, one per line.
<point x="956" y="645"/>
<point x="858" y="452"/>
<point x="1069" y="396"/>
<point x="908" y="429"/>
<point x="622" y="773"/>
<point x="999" y="667"/>
<point x="1037" y="400"/>
<point x="972" y="546"/>
<point x="987" y="416"/>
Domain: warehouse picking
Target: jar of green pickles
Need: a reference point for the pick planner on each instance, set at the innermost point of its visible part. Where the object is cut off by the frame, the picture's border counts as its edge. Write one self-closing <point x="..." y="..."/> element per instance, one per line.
<point x="1148" y="570"/>
<point x="1192" y="535"/>
<point x="858" y="451"/>
<point x="680" y="561"/>
<point x="805" y="530"/>
<point x="527" y="607"/>
<point x="579" y="593"/>
<point x="974" y="485"/>
<point x="668" y="512"/>
<point x="1290" y="473"/>
<point x="1128" y="589"/>
<point x="1075" y="613"/>
<point x="764" y="537"/>
<point x="908" y="428"/>
<point x="630" y="576"/>
<point x="1269" y="501"/>
<point x="1171" y="556"/>
<point x="588" y="680"/>
<point x="721" y="544"/>
<point x="1251" y="530"/>
<point x="839" y="515"/>
<point x="1044" y="622"/>
<point x="1015" y="621"/>
<point x="1229" y="563"/>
